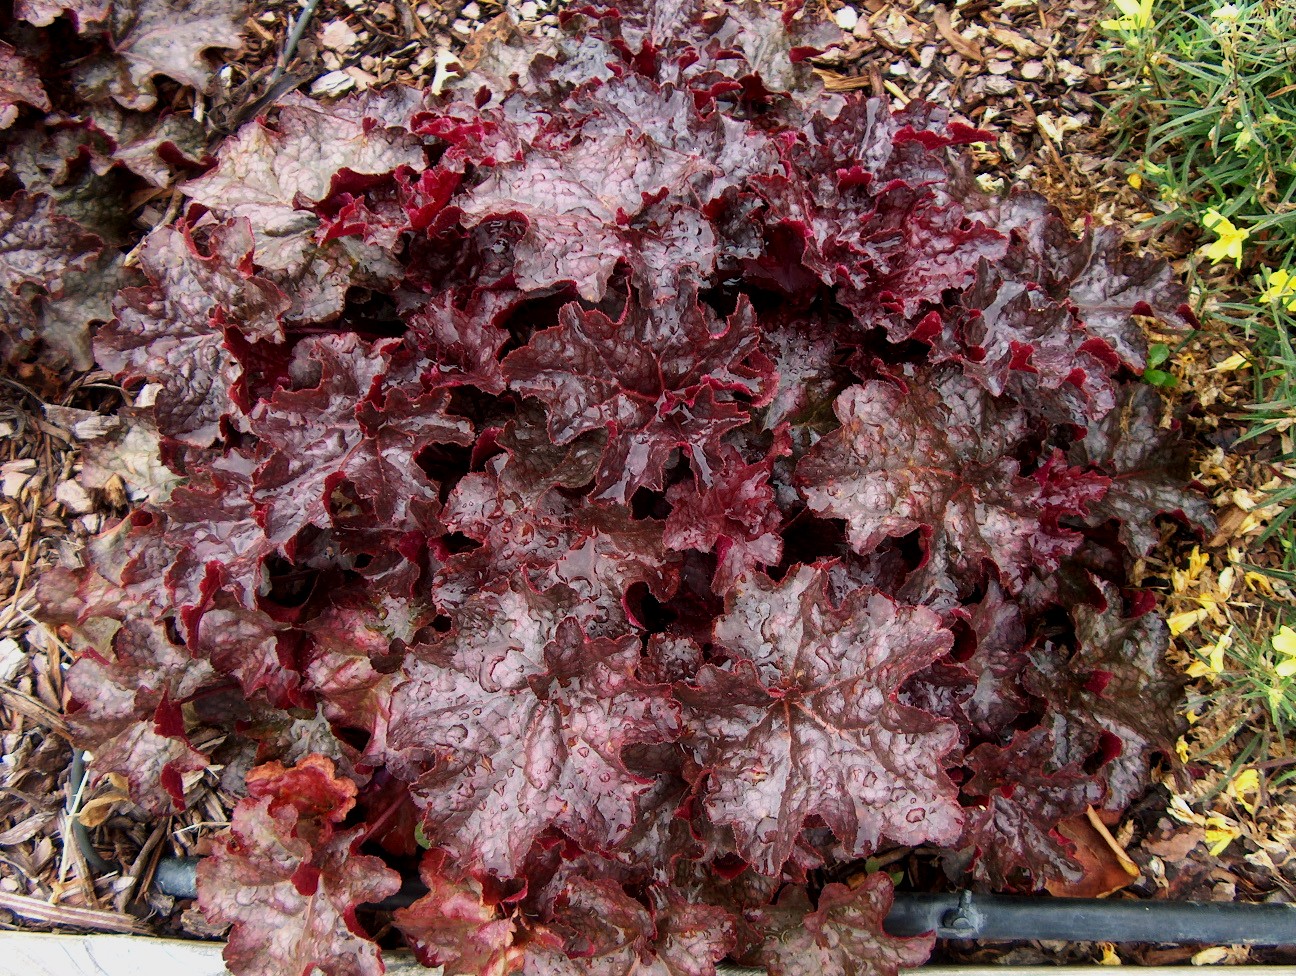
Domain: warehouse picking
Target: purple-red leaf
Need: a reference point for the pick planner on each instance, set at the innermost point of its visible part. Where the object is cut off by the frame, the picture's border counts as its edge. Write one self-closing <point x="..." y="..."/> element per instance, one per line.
<point x="453" y="925"/>
<point x="521" y="734"/>
<point x="659" y="380"/>
<point x="1026" y="796"/>
<point x="804" y="721"/>
<point x="843" y="935"/>
<point x="289" y="882"/>
<point x="967" y="495"/>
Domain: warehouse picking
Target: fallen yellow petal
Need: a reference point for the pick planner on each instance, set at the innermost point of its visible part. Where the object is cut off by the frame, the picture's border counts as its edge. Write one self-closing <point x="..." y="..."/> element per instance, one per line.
<point x="1209" y="957"/>
<point x="1220" y="832"/>
<point x="1235" y="361"/>
<point x="1179" y="622"/>
<point x="1244" y="783"/>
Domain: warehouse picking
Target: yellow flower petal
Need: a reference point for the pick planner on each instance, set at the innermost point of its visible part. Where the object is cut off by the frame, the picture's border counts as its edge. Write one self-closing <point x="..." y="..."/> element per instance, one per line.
<point x="1210" y="957"/>
<point x="1135" y="180"/>
<point x="1109" y="955"/>
<point x="1137" y="14"/>
<point x="1284" y="642"/>
<point x="1285" y="669"/>
<point x="1220" y="832"/>
<point x="1245" y="782"/>
<point x="1179" y="622"/>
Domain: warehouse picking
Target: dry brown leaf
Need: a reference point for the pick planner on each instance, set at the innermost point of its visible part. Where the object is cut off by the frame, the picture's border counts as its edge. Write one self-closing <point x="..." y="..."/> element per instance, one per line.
<point x="1106" y="866"/>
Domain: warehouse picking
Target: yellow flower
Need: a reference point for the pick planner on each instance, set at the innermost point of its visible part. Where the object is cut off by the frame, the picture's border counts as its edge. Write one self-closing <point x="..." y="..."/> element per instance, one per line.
<point x="1281" y="287"/>
<point x="1229" y="244"/>
<point x="1135" y="179"/>
<point x="1137" y="14"/>
<point x="1228" y="13"/>
<point x="1284" y="642"/>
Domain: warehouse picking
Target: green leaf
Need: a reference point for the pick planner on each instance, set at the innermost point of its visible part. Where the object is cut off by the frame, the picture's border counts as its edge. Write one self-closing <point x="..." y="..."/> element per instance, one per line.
<point x="1157" y="377"/>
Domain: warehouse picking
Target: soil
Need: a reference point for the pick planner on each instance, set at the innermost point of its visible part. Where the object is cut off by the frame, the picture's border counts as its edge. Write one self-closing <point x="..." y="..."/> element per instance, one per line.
<point x="1033" y="73"/>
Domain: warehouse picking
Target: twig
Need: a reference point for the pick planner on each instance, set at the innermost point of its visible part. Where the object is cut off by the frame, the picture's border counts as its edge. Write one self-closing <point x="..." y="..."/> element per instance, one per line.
<point x="294" y="36"/>
<point x="70" y="917"/>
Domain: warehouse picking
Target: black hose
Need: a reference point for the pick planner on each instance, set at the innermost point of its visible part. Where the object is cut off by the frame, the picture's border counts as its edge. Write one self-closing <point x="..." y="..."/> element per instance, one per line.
<point x="999" y="918"/>
<point x="995" y="918"/>
<point x="80" y="834"/>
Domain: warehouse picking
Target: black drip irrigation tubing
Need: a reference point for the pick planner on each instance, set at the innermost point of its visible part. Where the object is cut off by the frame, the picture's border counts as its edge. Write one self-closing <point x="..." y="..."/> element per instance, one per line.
<point x="993" y="918"/>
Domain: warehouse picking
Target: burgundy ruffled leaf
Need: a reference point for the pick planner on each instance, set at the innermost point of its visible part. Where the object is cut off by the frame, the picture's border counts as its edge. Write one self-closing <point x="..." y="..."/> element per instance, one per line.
<point x="156" y="37"/>
<point x="1115" y="697"/>
<point x="804" y="721"/>
<point x="457" y="347"/>
<point x="220" y="542"/>
<point x="42" y="13"/>
<point x="527" y="737"/>
<point x="246" y="644"/>
<point x="658" y="380"/>
<point x="20" y="84"/>
<point x="1015" y="339"/>
<point x="1108" y="286"/>
<point x="130" y="712"/>
<point x="736" y="517"/>
<point x="336" y="426"/>
<point x="267" y="174"/>
<point x="622" y="181"/>
<point x="599" y="930"/>
<point x="968" y="497"/>
<point x="40" y="250"/>
<point x="1027" y="795"/>
<point x="598" y="551"/>
<point x="173" y="331"/>
<point x="843" y="935"/>
<point x="1148" y="469"/>
<point x="289" y="882"/>
<point x="453" y="925"/>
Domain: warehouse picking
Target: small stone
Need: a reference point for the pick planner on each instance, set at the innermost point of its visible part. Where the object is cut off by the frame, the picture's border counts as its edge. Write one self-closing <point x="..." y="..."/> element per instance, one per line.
<point x="846" y="18"/>
<point x="11" y="659"/>
<point x="14" y="476"/>
<point x="899" y="70"/>
<point x="74" y="498"/>
<point x="1032" y="70"/>
<point x="471" y="10"/>
<point x="333" y="84"/>
<point x="926" y="56"/>
<point x="529" y="10"/>
<point x="338" y="36"/>
<point x="998" y="85"/>
<point x="999" y="67"/>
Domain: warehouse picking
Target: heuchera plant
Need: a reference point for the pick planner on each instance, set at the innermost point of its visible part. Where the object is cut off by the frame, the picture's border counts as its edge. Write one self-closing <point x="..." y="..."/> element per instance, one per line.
<point x="629" y="489"/>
